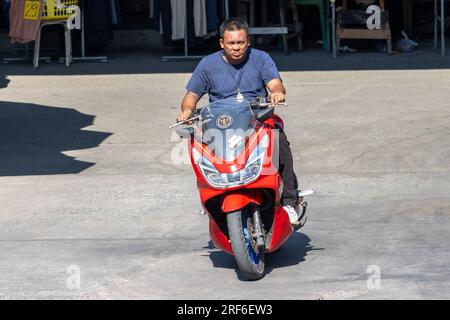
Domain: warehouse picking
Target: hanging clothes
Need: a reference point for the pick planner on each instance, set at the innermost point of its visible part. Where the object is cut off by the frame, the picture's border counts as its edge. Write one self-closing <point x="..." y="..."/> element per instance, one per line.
<point x="171" y="18"/>
<point x="97" y="23"/>
<point x="200" y="20"/>
<point x="162" y="19"/>
<point x="178" y="18"/>
<point x="211" y="15"/>
<point x="192" y="39"/>
<point x="5" y="14"/>
<point x="155" y="13"/>
<point x="196" y="11"/>
<point x="116" y="13"/>
<point x="23" y="30"/>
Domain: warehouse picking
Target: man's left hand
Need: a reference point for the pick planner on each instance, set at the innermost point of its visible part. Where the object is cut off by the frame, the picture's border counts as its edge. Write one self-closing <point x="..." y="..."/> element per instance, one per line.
<point x="276" y="97"/>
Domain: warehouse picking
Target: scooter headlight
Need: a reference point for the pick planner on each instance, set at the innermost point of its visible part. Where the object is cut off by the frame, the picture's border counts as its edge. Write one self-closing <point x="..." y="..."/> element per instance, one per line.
<point x="250" y="173"/>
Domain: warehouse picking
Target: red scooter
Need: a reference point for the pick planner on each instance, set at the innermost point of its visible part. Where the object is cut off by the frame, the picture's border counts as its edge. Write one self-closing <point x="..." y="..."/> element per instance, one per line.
<point x="234" y="152"/>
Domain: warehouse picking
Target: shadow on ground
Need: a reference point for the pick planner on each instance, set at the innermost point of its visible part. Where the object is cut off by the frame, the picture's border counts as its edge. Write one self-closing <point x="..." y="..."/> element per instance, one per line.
<point x="292" y="253"/>
<point x="3" y="81"/>
<point x="34" y="137"/>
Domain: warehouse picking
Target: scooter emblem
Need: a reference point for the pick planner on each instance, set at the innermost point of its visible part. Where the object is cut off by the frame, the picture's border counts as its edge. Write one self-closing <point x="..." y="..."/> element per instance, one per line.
<point x="224" y="121"/>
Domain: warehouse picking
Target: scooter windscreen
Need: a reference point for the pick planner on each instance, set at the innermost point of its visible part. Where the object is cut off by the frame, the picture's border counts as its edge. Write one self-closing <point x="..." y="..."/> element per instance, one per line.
<point x="225" y="127"/>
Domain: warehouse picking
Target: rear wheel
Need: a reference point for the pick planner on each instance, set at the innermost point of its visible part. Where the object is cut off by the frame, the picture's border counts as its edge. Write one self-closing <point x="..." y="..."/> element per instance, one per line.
<point x="249" y="257"/>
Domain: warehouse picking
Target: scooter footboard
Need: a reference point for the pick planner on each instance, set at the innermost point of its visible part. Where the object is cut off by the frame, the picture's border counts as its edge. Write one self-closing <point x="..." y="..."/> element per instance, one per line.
<point x="236" y="200"/>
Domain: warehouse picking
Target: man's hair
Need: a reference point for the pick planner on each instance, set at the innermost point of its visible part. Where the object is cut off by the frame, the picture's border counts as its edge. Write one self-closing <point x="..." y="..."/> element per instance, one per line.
<point x="233" y="24"/>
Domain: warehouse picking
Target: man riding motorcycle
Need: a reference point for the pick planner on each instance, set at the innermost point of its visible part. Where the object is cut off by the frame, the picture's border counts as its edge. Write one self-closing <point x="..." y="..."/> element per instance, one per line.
<point x="239" y="71"/>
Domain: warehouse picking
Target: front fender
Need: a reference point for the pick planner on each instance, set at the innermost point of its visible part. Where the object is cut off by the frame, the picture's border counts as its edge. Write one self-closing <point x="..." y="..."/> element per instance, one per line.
<point x="236" y="200"/>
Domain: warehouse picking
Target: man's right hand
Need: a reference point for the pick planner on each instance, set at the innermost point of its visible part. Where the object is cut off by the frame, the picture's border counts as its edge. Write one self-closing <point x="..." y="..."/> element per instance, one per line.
<point x="183" y="116"/>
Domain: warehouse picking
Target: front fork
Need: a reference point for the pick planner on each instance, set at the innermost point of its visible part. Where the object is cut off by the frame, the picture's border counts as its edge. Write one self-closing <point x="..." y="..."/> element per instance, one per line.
<point x="258" y="233"/>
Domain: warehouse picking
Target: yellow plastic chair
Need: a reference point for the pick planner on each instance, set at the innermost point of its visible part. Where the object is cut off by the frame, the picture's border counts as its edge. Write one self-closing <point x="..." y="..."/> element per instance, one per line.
<point x="55" y="12"/>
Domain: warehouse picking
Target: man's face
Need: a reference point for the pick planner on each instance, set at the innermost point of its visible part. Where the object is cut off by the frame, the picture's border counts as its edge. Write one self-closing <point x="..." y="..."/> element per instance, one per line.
<point x="235" y="44"/>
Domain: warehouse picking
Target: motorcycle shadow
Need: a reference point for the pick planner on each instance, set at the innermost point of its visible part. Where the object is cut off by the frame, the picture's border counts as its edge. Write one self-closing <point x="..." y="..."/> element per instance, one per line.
<point x="293" y="252"/>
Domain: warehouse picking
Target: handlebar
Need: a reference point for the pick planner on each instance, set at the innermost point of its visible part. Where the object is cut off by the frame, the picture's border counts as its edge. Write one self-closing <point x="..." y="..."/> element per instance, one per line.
<point x="255" y="104"/>
<point x="269" y="104"/>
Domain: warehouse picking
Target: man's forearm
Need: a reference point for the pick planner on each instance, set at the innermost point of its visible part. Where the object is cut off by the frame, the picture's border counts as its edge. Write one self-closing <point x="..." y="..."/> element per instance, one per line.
<point x="189" y="102"/>
<point x="188" y="105"/>
<point x="277" y="91"/>
<point x="278" y="88"/>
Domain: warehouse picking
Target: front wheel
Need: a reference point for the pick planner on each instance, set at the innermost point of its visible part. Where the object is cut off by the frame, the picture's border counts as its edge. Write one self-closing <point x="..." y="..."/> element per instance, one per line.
<point x="249" y="257"/>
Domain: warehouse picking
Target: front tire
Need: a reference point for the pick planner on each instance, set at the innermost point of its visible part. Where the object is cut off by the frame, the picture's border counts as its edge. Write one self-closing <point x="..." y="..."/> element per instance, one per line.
<point x="249" y="258"/>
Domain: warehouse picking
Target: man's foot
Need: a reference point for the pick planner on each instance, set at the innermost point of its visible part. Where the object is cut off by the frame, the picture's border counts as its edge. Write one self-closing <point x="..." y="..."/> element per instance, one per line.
<point x="297" y="213"/>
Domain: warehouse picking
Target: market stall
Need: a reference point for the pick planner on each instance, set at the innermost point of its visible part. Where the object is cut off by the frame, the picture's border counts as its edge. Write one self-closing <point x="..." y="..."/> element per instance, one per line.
<point x="384" y="33"/>
<point x="26" y="20"/>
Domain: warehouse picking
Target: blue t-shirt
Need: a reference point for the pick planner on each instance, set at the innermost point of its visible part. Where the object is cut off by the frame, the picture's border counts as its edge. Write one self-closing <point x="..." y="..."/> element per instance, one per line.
<point x="220" y="79"/>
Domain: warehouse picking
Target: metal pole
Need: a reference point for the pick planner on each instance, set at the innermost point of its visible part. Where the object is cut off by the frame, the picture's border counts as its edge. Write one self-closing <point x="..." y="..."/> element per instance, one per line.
<point x="442" y="28"/>
<point x="83" y="40"/>
<point x="227" y="9"/>
<point x="186" y="43"/>
<point x="333" y="27"/>
<point x="435" y="24"/>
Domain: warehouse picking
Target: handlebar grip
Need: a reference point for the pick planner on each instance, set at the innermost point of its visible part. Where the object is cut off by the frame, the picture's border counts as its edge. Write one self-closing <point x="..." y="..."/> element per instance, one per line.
<point x="183" y="122"/>
<point x="175" y="125"/>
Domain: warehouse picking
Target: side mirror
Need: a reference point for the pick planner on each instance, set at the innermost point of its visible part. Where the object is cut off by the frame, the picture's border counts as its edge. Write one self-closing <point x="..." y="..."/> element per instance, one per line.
<point x="265" y="114"/>
<point x="185" y="133"/>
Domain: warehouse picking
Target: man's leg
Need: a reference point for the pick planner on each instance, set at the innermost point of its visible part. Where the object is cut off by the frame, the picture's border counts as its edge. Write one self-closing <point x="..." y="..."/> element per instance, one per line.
<point x="290" y="183"/>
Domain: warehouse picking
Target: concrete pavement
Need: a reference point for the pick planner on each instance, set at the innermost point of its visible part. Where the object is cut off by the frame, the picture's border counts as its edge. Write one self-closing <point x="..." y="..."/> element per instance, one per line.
<point x="87" y="186"/>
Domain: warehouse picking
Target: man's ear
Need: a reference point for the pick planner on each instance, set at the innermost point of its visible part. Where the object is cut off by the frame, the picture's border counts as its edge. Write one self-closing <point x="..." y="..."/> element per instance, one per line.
<point x="221" y="43"/>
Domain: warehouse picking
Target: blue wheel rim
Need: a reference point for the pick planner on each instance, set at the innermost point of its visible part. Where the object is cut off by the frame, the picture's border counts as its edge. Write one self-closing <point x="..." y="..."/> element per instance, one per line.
<point x="255" y="257"/>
